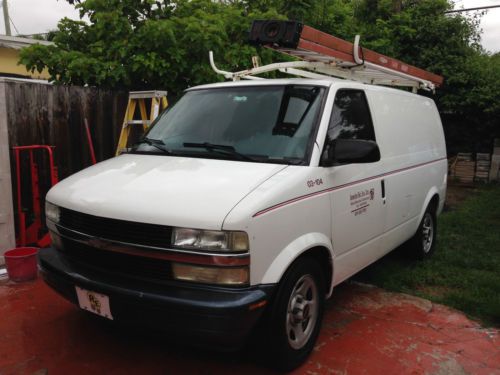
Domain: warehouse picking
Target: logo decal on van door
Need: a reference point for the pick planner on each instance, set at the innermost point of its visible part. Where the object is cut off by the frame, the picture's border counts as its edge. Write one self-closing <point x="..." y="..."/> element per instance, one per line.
<point x="360" y="201"/>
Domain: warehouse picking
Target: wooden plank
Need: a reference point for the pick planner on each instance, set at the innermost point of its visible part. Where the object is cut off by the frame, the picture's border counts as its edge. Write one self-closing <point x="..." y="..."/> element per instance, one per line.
<point x="464" y="156"/>
<point x="483" y="163"/>
<point x="464" y="168"/>
<point x="482" y="156"/>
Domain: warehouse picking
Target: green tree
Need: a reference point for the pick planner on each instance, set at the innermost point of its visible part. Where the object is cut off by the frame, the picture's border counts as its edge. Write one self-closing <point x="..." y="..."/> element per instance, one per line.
<point x="420" y="33"/>
<point x="134" y="44"/>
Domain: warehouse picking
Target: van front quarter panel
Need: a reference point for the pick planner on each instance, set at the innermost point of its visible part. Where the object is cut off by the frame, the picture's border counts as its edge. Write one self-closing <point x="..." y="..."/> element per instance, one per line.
<point x="284" y="216"/>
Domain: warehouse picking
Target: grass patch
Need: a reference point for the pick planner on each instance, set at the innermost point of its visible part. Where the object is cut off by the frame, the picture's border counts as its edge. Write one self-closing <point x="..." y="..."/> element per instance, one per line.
<point x="464" y="272"/>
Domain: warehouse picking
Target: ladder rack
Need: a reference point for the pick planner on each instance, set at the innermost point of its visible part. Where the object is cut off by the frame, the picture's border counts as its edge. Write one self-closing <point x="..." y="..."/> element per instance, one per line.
<point x="324" y="56"/>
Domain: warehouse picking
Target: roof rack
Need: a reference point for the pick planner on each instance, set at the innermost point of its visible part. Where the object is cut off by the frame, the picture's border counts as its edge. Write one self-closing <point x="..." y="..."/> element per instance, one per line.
<point x="323" y="56"/>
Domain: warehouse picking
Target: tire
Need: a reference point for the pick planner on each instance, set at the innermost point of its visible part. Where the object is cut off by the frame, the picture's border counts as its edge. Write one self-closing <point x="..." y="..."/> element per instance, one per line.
<point x="294" y="320"/>
<point x="423" y="243"/>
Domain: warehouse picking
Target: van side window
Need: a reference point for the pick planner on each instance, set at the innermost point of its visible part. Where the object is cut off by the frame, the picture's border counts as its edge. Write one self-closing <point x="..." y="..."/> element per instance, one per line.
<point x="351" y="117"/>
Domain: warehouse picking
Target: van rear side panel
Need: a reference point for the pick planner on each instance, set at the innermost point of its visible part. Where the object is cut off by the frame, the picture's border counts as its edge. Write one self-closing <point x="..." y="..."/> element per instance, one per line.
<point x="413" y="152"/>
<point x="408" y="126"/>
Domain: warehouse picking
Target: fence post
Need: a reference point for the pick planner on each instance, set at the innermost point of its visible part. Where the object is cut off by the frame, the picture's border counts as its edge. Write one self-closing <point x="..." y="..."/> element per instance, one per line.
<point x="7" y="234"/>
<point x="495" y="161"/>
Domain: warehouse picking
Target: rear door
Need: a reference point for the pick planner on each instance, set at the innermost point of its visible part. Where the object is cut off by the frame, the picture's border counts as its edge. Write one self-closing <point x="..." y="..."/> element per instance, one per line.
<point x="357" y="202"/>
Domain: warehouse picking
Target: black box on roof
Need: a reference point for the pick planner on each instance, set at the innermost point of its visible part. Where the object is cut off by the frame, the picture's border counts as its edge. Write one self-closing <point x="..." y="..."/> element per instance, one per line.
<point x="281" y="33"/>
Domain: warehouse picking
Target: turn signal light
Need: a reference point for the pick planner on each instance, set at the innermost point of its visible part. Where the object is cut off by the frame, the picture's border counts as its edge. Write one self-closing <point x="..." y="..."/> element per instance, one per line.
<point x="231" y="276"/>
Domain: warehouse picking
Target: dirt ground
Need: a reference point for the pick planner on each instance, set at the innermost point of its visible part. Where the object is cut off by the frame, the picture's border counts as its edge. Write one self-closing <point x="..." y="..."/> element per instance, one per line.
<point x="456" y="194"/>
<point x="365" y="331"/>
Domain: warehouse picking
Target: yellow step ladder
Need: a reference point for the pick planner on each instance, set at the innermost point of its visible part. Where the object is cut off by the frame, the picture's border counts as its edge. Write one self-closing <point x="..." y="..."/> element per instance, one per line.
<point x="136" y="99"/>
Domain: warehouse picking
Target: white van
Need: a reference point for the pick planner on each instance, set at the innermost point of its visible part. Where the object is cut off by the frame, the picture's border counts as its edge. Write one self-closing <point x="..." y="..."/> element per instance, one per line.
<point x="244" y="205"/>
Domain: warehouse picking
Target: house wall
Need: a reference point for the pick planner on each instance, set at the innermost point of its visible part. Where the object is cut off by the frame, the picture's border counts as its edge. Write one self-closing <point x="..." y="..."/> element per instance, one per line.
<point x="9" y="59"/>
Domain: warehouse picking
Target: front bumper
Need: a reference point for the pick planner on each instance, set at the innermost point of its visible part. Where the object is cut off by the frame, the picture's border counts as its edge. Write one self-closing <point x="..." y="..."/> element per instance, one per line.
<point x="219" y="317"/>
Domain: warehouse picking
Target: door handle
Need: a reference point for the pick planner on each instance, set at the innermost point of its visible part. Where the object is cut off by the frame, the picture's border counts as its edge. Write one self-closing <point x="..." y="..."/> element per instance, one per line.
<point x="382" y="185"/>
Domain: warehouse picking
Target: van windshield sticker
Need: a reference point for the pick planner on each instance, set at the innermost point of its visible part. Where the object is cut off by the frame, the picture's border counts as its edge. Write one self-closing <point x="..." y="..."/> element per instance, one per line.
<point x="360" y="201"/>
<point x="240" y="99"/>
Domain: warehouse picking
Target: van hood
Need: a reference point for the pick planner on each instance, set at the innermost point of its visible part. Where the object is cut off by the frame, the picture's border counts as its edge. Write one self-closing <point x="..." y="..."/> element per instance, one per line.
<point x="176" y="191"/>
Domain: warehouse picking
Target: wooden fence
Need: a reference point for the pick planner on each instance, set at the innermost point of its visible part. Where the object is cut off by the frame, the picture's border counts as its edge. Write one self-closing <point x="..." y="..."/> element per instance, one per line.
<point x="33" y="113"/>
<point x="39" y="113"/>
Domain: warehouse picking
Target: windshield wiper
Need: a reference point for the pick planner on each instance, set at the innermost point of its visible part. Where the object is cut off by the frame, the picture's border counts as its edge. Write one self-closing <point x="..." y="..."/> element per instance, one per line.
<point x="157" y="143"/>
<point x="223" y="149"/>
<point x="289" y="161"/>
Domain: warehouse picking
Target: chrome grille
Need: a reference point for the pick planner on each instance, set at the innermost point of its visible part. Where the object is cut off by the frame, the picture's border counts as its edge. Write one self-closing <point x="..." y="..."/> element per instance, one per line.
<point x="117" y="230"/>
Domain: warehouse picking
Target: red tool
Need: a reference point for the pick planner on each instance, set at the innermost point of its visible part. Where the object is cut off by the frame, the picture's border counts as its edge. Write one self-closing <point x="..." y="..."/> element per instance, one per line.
<point x="89" y="140"/>
<point x="32" y="233"/>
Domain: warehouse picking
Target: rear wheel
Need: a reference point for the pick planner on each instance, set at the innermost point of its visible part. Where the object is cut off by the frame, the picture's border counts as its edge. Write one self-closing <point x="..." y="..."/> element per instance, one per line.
<point x="295" y="318"/>
<point x="423" y="243"/>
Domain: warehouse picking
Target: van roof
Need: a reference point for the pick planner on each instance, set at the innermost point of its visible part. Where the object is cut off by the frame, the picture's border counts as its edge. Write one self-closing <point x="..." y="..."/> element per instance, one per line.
<point x="326" y="82"/>
<point x="268" y="82"/>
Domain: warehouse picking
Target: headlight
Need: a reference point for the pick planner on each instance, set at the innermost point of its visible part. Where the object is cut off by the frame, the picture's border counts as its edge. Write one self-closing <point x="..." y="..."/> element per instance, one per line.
<point x="213" y="240"/>
<point x="211" y="275"/>
<point x="52" y="212"/>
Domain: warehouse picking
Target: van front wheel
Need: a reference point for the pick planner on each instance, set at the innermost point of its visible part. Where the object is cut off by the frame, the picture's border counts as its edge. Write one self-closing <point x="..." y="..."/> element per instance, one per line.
<point x="296" y="314"/>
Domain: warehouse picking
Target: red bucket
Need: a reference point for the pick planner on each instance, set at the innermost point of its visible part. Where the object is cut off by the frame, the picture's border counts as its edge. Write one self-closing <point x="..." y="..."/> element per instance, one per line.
<point x="21" y="263"/>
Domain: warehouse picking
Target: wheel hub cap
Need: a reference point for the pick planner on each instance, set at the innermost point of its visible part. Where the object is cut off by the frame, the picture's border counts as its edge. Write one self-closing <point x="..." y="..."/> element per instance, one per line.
<point x="427" y="232"/>
<point x="302" y="312"/>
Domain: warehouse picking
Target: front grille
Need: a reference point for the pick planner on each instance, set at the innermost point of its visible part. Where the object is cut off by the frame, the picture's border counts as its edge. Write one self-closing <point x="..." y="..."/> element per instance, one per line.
<point x="109" y="262"/>
<point x="117" y="230"/>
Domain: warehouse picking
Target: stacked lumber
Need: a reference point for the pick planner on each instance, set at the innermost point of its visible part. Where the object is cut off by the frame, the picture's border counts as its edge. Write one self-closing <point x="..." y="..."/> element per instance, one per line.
<point x="463" y="169"/>
<point x="483" y="163"/>
<point x="495" y="162"/>
<point x="464" y="156"/>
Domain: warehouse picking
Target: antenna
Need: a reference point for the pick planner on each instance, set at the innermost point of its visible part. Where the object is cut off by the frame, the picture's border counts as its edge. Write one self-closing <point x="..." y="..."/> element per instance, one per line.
<point x="6" y="18"/>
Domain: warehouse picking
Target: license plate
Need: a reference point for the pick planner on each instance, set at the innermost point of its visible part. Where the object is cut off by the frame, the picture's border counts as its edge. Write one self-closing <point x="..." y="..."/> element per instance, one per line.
<point x="96" y="303"/>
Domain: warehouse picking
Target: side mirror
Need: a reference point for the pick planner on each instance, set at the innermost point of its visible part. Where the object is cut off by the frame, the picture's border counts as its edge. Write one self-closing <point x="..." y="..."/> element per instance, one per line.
<point x="348" y="151"/>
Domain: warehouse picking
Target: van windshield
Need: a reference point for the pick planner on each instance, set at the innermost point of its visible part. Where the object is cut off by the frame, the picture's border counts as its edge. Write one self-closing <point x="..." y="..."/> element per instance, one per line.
<point x="259" y="123"/>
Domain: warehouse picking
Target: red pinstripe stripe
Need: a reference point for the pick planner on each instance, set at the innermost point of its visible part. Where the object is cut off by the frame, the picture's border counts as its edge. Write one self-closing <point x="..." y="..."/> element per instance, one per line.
<point x="306" y="196"/>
